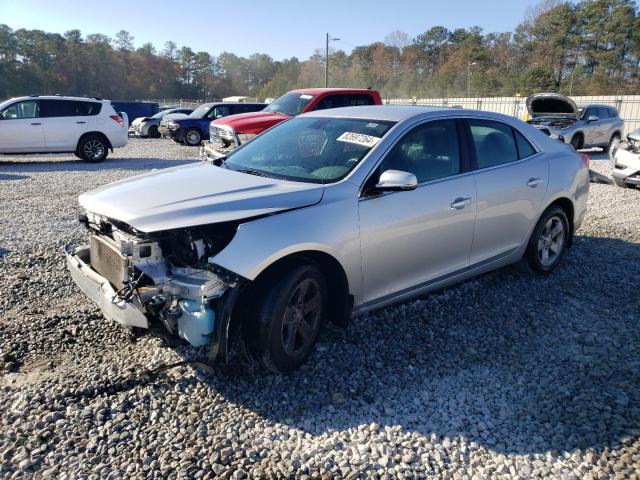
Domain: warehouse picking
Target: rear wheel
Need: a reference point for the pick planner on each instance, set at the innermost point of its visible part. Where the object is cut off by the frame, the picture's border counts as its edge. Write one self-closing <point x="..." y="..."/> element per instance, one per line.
<point x="93" y="148"/>
<point x="289" y="318"/>
<point x="192" y="137"/>
<point x="153" y="132"/>
<point x="577" y="141"/>
<point x="548" y="242"/>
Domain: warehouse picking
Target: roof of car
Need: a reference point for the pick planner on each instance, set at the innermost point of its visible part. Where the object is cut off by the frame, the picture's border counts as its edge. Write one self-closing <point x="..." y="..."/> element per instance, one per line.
<point x="57" y="97"/>
<point x="318" y="91"/>
<point x="597" y="105"/>
<point x="392" y="113"/>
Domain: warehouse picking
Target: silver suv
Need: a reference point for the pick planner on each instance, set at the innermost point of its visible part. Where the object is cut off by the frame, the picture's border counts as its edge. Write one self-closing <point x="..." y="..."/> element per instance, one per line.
<point x="330" y="213"/>
<point x="558" y="116"/>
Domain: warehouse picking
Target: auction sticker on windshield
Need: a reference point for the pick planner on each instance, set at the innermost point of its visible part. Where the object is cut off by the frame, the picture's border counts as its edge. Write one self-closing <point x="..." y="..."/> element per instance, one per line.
<point x="359" y="139"/>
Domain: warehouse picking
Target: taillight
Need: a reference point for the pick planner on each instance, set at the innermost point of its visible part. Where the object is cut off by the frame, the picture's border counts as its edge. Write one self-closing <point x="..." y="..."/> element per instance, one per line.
<point x="585" y="159"/>
<point x="118" y="120"/>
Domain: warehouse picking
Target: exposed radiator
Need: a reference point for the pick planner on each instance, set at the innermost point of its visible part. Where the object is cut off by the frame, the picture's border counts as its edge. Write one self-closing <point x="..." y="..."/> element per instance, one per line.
<point x="106" y="259"/>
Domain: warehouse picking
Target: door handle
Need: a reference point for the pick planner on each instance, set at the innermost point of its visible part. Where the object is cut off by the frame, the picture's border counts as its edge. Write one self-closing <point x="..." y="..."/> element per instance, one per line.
<point x="36" y="123"/>
<point x="534" y="182"/>
<point x="79" y="123"/>
<point x="460" y="202"/>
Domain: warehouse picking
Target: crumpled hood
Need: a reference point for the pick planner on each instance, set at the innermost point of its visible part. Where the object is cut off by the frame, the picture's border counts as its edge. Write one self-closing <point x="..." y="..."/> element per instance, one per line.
<point x="252" y="122"/>
<point x="195" y="194"/>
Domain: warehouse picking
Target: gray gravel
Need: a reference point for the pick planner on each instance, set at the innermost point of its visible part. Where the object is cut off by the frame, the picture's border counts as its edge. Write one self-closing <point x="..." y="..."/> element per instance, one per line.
<point x="503" y="376"/>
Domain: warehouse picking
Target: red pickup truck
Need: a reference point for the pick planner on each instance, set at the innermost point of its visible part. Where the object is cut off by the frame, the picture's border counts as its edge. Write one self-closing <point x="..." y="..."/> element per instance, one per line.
<point x="227" y="133"/>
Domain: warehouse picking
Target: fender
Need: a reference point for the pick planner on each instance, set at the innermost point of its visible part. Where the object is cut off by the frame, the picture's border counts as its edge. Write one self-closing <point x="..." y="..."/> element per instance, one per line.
<point x="329" y="227"/>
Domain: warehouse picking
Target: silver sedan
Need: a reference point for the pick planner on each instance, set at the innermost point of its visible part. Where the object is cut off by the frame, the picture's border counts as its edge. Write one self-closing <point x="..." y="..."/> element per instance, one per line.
<point x="329" y="214"/>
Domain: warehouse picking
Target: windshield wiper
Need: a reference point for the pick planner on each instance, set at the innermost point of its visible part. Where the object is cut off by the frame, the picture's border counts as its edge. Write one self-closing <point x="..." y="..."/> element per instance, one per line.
<point x="253" y="171"/>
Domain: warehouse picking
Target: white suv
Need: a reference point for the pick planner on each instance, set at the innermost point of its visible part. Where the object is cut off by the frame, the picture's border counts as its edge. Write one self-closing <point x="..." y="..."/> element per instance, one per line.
<point x="88" y="127"/>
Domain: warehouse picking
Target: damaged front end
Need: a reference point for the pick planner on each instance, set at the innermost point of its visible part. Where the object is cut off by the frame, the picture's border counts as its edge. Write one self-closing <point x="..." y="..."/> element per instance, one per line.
<point x="165" y="277"/>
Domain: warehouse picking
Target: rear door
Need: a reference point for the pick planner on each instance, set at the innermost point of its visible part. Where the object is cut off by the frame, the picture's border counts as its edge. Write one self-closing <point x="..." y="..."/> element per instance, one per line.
<point x="511" y="180"/>
<point x="64" y="123"/>
<point x="21" y="128"/>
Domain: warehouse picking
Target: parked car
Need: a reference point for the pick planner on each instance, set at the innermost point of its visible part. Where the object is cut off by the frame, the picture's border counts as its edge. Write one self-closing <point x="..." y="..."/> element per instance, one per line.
<point x="625" y="160"/>
<point x="331" y="213"/>
<point x="195" y="128"/>
<point x="145" y="127"/>
<point x="88" y="127"/>
<point x="136" y="109"/>
<point x="591" y="126"/>
<point x="228" y="133"/>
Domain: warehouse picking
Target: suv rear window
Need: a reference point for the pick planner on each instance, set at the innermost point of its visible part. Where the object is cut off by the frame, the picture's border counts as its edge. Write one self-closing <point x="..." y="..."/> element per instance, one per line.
<point x="355" y="99"/>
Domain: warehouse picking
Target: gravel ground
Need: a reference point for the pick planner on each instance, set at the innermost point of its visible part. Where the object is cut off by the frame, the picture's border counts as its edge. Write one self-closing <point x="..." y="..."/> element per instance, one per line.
<point x="503" y="376"/>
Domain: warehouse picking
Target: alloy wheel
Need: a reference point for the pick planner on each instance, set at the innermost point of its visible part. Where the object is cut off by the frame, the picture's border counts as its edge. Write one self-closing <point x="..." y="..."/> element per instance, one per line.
<point x="551" y="241"/>
<point x="93" y="149"/>
<point x="301" y="317"/>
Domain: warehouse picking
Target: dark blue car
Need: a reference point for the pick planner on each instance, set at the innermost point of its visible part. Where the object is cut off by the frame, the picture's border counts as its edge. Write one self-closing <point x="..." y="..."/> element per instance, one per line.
<point x="195" y="128"/>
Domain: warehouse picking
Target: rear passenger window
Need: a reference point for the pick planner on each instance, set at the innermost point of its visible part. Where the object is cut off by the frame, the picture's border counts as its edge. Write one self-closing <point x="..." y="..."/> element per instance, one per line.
<point x="356" y="99"/>
<point x="429" y="151"/>
<point x="330" y="101"/>
<point x="57" y="108"/>
<point x="494" y="143"/>
<point x="525" y="149"/>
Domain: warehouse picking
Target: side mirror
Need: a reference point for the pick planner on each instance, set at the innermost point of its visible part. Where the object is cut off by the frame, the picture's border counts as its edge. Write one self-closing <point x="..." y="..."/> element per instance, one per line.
<point x="219" y="116"/>
<point x="394" y="180"/>
<point x="593" y="118"/>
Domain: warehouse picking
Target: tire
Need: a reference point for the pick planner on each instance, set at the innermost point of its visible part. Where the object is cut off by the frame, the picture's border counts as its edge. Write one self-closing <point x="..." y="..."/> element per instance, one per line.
<point x="543" y="239"/>
<point x="614" y="137"/>
<point x="286" y="335"/>
<point x="93" y="148"/>
<point x="577" y="141"/>
<point x="621" y="183"/>
<point x="192" y="137"/>
<point x="153" y="132"/>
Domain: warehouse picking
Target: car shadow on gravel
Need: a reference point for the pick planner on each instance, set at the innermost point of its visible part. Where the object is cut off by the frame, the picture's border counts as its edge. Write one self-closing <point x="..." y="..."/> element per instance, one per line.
<point x="514" y="363"/>
<point x="53" y="166"/>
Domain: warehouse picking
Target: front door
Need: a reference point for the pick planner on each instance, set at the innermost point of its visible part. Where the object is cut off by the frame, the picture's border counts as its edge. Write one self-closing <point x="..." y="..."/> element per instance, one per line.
<point x="511" y="181"/>
<point x="21" y="128"/>
<point x="412" y="237"/>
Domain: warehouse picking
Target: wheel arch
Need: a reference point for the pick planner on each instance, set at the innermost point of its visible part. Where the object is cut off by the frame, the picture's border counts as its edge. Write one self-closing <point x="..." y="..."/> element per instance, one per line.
<point x="97" y="134"/>
<point x="567" y="205"/>
<point x="339" y="306"/>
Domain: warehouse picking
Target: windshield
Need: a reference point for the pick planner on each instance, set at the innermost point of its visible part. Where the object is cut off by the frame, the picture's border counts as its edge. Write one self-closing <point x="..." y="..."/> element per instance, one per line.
<point x="291" y="104"/>
<point x="201" y="111"/>
<point x="316" y="150"/>
<point x="161" y="113"/>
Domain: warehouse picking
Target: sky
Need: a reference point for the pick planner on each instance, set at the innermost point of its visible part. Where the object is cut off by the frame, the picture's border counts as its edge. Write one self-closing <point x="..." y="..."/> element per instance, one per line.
<point x="279" y="28"/>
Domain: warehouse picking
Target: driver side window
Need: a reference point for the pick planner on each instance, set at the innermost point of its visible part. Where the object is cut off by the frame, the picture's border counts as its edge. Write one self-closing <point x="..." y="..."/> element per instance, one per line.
<point x="219" y="111"/>
<point x="19" y="110"/>
<point x="429" y="151"/>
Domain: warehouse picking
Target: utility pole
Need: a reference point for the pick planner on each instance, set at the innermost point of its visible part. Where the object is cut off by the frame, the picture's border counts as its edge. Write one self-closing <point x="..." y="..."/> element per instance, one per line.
<point x="469" y="78"/>
<point x="326" y="59"/>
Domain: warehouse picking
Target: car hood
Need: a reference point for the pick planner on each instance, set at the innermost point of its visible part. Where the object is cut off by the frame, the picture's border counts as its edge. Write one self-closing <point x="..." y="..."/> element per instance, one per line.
<point x="253" y="122"/>
<point x="551" y="105"/>
<point x="174" y="116"/>
<point x="196" y="194"/>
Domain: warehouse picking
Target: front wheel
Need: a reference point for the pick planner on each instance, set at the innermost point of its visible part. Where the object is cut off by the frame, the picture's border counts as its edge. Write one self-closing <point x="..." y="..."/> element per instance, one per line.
<point x="577" y="141"/>
<point x="192" y="137"/>
<point x="548" y="242"/>
<point x="289" y="318"/>
<point x="93" y="149"/>
<point x="153" y="132"/>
